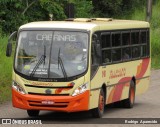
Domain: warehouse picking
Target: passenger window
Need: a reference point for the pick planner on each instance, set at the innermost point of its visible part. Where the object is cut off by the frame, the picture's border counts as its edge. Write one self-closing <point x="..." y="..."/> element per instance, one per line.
<point x="116" y="39"/>
<point x="143" y="37"/>
<point x="116" y="55"/>
<point x="106" y="56"/>
<point x="148" y="45"/>
<point x="106" y="41"/>
<point x="126" y="53"/>
<point x="125" y="38"/>
<point x="136" y="52"/>
<point x="135" y="37"/>
<point x="143" y="51"/>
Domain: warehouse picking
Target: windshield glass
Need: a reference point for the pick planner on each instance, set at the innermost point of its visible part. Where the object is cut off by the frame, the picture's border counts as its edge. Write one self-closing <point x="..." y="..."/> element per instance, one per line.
<point x="51" y="54"/>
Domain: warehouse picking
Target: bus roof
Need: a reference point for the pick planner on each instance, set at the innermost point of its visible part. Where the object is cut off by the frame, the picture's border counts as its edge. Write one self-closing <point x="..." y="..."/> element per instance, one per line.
<point x="87" y="24"/>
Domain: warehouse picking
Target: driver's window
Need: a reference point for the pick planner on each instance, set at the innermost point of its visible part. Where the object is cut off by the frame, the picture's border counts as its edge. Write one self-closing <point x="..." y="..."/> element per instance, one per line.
<point x="95" y="59"/>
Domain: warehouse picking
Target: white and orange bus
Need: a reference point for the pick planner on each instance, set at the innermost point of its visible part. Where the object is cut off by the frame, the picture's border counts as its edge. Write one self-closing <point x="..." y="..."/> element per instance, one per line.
<point x="79" y="64"/>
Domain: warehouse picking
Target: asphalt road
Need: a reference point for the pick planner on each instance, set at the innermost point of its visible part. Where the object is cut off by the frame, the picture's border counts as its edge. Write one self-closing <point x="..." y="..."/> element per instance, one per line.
<point x="146" y="105"/>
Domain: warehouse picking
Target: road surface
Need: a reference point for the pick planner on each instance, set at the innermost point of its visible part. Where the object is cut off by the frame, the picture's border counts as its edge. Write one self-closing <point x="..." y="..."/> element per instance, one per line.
<point x="146" y="105"/>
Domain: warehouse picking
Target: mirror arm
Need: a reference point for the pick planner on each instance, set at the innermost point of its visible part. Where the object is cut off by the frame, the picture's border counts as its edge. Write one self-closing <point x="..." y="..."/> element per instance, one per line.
<point x="11" y="36"/>
<point x="9" y="45"/>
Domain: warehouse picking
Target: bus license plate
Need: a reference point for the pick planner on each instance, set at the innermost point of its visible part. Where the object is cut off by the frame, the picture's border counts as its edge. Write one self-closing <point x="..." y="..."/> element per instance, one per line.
<point x="46" y="102"/>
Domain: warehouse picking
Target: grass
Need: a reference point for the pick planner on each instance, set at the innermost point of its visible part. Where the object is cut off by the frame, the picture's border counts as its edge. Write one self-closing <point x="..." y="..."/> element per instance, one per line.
<point x="155" y="36"/>
<point x="5" y="71"/>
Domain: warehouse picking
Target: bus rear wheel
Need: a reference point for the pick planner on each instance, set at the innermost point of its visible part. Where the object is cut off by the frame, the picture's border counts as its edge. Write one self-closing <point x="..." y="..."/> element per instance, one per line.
<point x="128" y="103"/>
<point x="33" y="113"/>
<point x="98" y="112"/>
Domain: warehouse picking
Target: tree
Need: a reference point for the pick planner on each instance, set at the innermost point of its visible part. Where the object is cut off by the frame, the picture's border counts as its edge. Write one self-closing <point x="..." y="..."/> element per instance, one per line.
<point x="107" y="8"/>
<point x="148" y="10"/>
<point x="14" y="13"/>
<point x="116" y="8"/>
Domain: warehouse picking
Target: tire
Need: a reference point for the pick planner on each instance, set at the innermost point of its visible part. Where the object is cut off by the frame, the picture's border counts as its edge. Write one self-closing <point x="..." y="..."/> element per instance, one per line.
<point x="33" y="113"/>
<point x="98" y="112"/>
<point x="128" y="103"/>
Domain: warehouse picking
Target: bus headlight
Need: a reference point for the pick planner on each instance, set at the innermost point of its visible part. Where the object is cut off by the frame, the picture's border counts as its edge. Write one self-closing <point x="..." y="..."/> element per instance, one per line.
<point x="80" y="89"/>
<point x="18" y="88"/>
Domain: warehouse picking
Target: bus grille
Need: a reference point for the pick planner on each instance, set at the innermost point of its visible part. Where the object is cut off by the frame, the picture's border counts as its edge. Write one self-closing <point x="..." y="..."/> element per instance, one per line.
<point x="54" y="105"/>
<point x="44" y="94"/>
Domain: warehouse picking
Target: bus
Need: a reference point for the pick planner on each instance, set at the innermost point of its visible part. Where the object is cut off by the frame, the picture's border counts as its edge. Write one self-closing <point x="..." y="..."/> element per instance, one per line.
<point x="79" y="64"/>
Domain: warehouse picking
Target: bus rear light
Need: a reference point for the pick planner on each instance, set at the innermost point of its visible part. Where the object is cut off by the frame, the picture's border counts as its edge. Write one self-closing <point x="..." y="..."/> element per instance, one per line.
<point x="18" y="88"/>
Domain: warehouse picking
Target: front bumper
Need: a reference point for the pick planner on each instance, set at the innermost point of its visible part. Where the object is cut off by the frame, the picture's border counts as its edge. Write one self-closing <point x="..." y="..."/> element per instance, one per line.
<point x="61" y="103"/>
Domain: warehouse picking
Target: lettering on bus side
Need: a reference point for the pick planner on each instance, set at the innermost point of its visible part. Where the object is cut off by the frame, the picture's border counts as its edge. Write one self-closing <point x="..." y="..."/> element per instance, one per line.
<point x="117" y="73"/>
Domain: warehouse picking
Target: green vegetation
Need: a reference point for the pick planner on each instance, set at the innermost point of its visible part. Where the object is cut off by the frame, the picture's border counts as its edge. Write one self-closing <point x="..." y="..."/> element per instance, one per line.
<point x="155" y="36"/>
<point x="14" y="13"/>
<point x="5" y="71"/>
<point x="139" y="14"/>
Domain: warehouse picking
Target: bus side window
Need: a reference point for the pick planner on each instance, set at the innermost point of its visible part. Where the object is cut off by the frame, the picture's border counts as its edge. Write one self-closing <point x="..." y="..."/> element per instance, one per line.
<point x="143" y="37"/>
<point x="126" y="52"/>
<point x="116" y="49"/>
<point x="106" y="45"/>
<point x="135" y="37"/>
<point x="143" y="51"/>
<point x="106" y="40"/>
<point x="116" y="39"/>
<point x="143" y="40"/>
<point x="106" y="56"/>
<point x="116" y="55"/>
<point x="136" y="52"/>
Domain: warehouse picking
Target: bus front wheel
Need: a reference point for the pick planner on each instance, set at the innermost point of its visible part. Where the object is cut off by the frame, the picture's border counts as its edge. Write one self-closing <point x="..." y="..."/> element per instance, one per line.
<point x="98" y="112"/>
<point x="33" y="113"/>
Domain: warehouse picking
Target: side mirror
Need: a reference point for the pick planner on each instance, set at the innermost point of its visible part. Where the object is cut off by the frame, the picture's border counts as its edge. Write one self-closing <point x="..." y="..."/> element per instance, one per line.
<point x="9" y="45"/>
<point x="9" y="50"/>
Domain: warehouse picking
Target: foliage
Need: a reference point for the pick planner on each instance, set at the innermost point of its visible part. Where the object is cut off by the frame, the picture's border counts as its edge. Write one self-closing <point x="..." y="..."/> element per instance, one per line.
<point x="83" y="9"/>
<point x="116" y="8"/>
<point x="5" y="71"/>
<point x="14" y="13"/>
<point x="54" y="7"/>
<point x="139" y="14"/>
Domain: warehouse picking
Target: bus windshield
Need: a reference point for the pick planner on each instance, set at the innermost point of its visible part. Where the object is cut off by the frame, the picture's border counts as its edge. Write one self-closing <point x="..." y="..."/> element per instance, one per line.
<point x="51" y="54"/>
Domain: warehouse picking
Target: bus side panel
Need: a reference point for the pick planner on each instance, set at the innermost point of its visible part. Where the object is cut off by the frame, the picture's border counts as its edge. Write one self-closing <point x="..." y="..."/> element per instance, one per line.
<point x="96" y="83"/>
<point x="142" y="85"/>
<point x="94" y="97"/>
<point x="120" y="75"/>
<point x="117" y="93"/>
<point x="143" y="81"/>
<point x="117" y="78"/>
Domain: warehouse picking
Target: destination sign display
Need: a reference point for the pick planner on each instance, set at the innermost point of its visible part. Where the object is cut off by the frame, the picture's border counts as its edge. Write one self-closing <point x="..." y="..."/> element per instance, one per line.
<point x="56" y="37"/>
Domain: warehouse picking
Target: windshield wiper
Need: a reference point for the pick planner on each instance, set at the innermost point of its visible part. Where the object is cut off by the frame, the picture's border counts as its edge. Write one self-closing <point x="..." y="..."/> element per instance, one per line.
<point x="42" y="59"/>
<point x="61" y="64"/>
